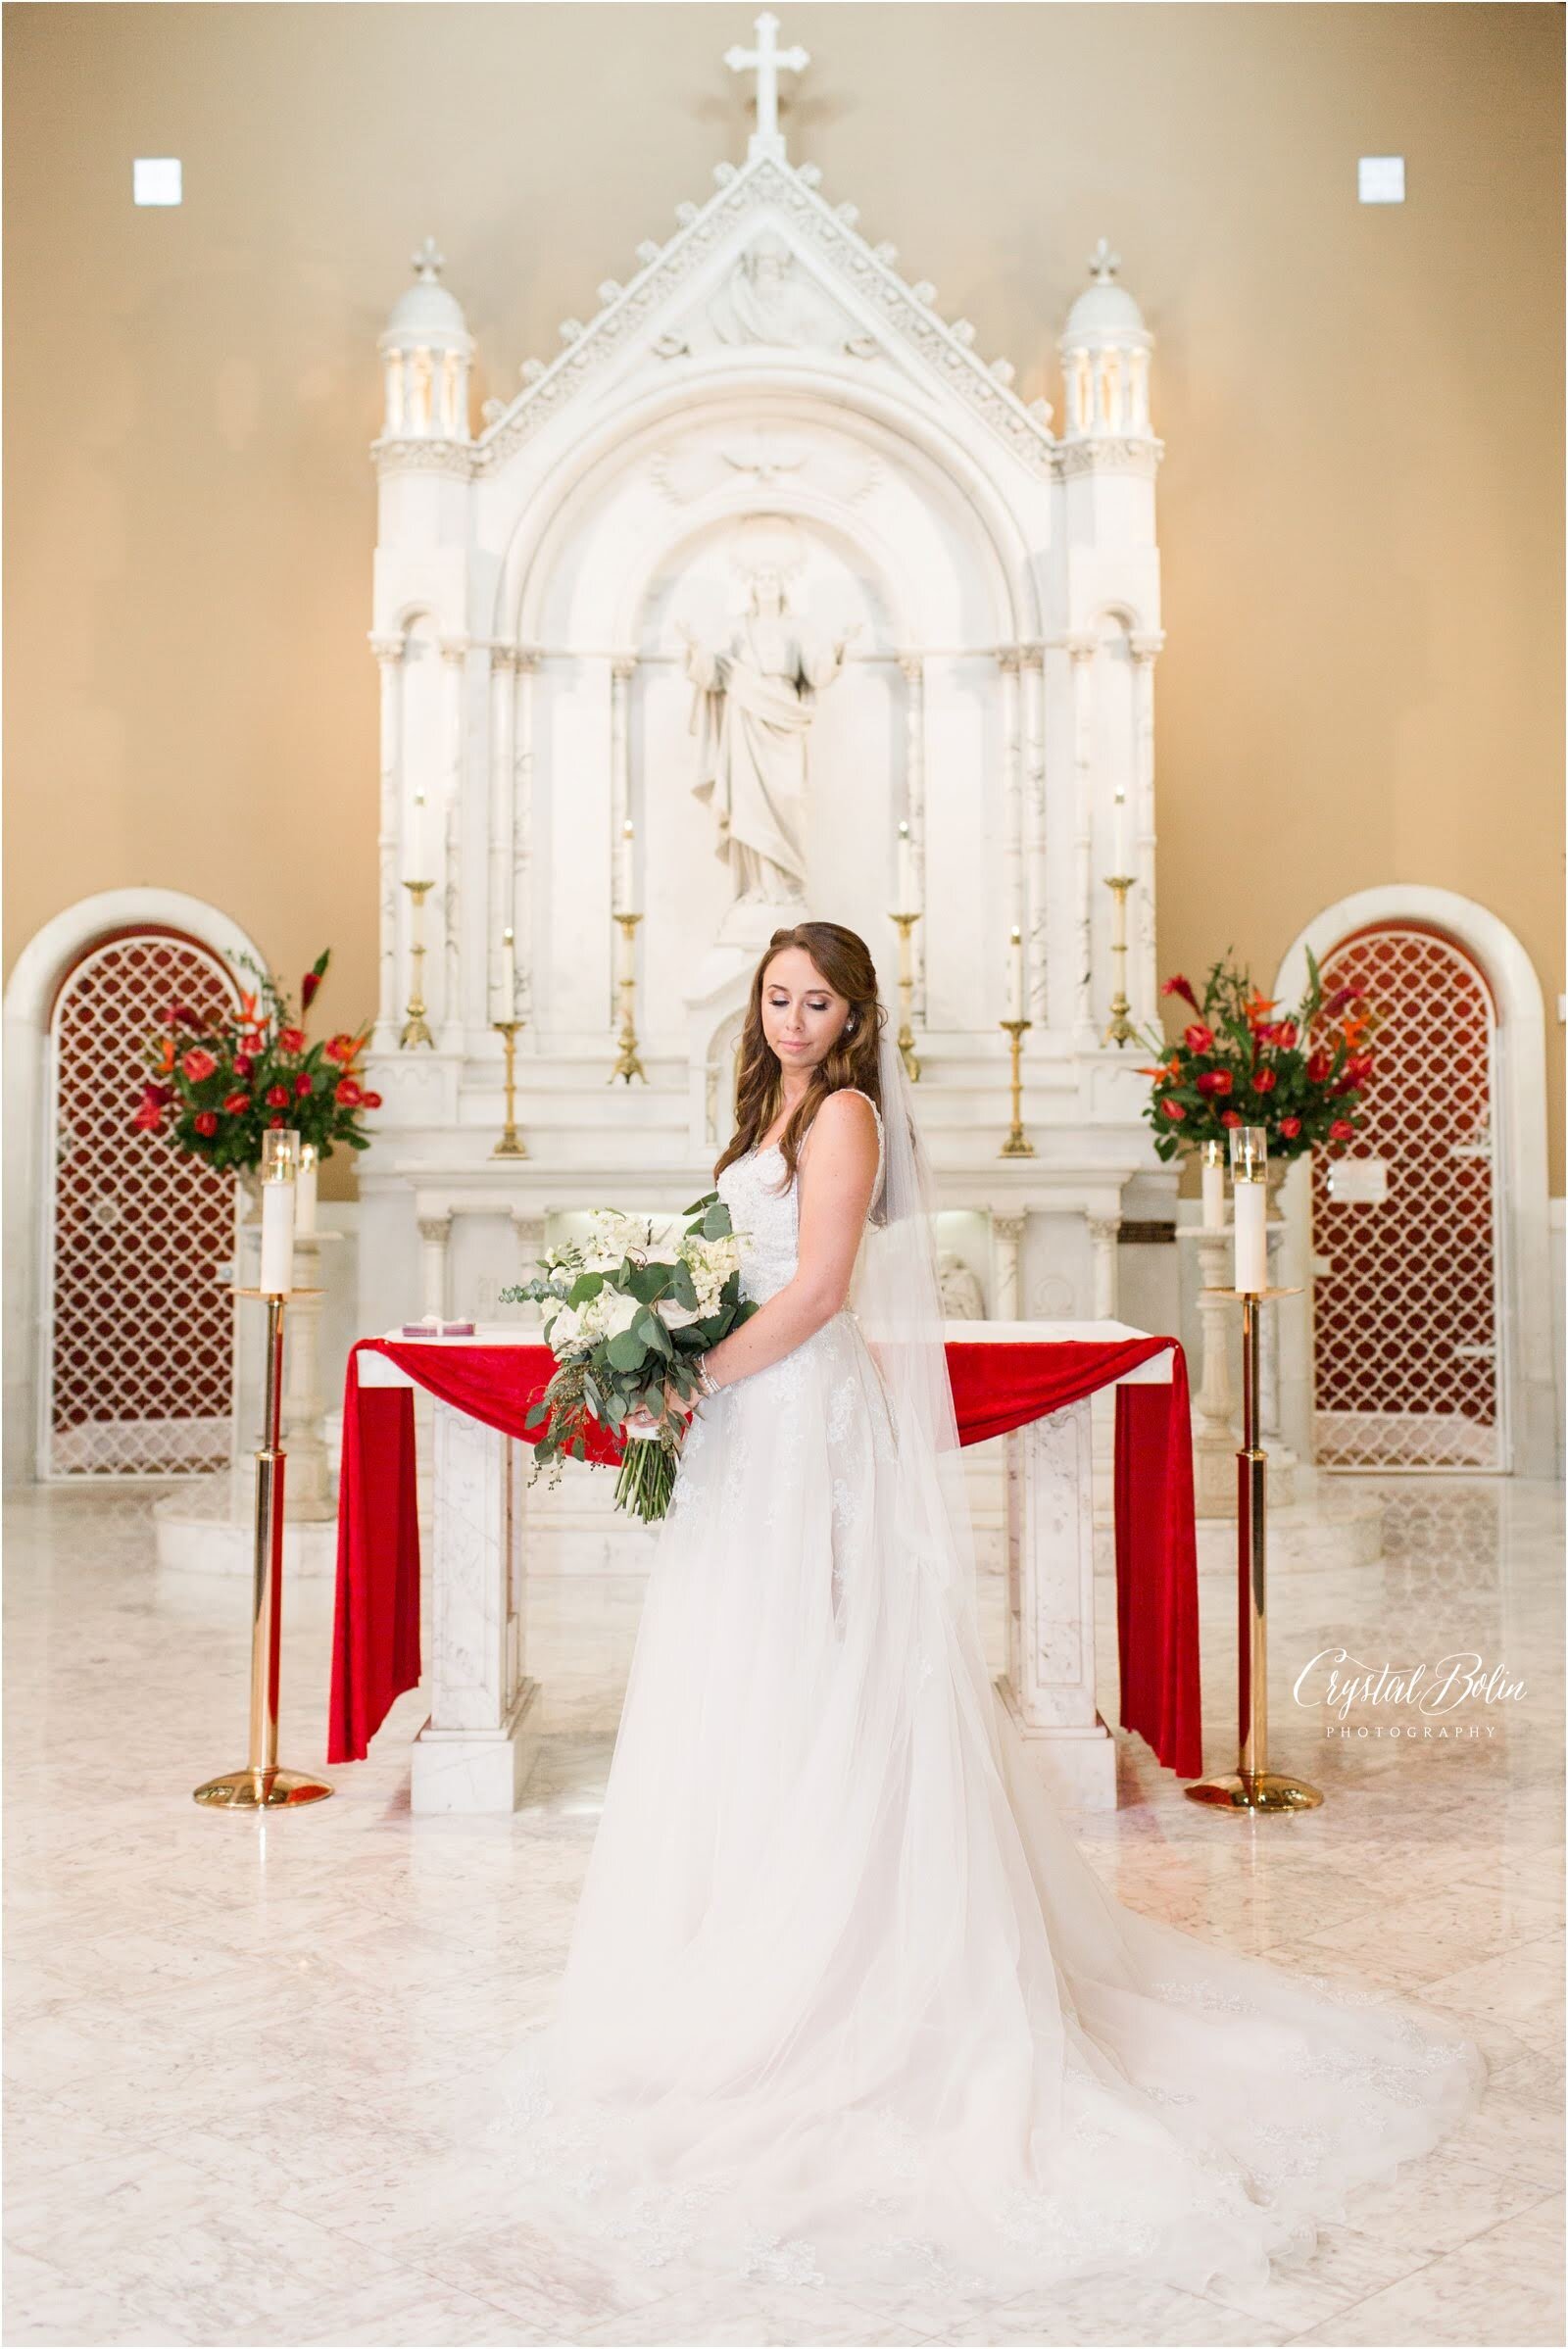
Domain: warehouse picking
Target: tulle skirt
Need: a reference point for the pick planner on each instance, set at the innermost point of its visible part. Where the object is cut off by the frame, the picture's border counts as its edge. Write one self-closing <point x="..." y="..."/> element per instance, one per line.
<point x="844" y="2002"/>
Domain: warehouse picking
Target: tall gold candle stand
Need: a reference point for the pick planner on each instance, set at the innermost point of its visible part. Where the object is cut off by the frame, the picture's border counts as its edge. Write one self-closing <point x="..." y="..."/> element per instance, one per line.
<point x="1121" y="1030"/>
<point x="1251" y="1785"/>
<point x="415" y="1030"/>
<point x="261" y="1785"/>
<point x="1017" y="1143"/>
<point x="511" y="1145"/>
<point x="904" y="924"/>
<point x="627" y="1064"/>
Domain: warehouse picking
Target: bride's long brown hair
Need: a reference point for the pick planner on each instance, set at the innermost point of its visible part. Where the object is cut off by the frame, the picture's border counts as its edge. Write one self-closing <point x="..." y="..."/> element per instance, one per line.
<point x="845" y="964"/>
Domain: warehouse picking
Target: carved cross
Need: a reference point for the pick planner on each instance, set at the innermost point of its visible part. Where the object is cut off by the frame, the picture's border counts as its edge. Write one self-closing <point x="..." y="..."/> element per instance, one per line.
<point x="765" y="61"/>
<point x="1104" y="262"/>
<point x="429" y="261"/>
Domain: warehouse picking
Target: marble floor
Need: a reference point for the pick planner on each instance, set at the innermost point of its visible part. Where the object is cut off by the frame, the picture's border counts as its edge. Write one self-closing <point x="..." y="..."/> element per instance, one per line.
<point x="219" y="2031"/>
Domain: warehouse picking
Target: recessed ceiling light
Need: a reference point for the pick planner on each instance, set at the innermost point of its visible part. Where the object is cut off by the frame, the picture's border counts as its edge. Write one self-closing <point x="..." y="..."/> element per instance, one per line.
<point x="1380" y="179"/>
<point x="155" y="179"/>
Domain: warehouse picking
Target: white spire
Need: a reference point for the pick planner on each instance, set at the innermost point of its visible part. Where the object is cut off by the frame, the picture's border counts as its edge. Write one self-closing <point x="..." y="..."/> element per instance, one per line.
<point x="765" y="61"/>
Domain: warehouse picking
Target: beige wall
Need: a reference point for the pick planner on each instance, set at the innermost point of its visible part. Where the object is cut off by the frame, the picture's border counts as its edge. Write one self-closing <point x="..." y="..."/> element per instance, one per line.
<point x="1360" y="506"/>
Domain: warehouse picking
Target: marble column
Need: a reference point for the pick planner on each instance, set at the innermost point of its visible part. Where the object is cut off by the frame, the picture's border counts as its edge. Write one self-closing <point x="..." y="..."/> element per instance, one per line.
<point x="1050" y="1682"/>
<point x="389" y="654"/>
<point x="1103" y="1234"/>
<point x="480" y="1741"/>
<point x="1082" y="651"/>
<point x="1036" y="861"/>
<point x="913" y="670"/>
<point x="453" y="656"/>
<point x="435" y="1232"/>
<point x="1006" y="1249"/>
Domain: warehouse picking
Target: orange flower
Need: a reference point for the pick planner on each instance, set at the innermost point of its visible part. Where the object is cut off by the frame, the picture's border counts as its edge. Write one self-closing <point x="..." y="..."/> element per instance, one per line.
<point x="1258" y="1006"/>
<point x="1353" y="1029"/>
<point x="165" y="1065"/>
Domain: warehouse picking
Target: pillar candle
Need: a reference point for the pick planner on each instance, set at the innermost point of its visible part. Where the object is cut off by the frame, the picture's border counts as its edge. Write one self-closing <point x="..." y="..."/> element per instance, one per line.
<point x="1250" y="1201"/>
<point x="1213" y="1170"/>
<point x="508" y="976"/>
<point x="305" y="1192"/>
<point x="277" y="1237"/>
<point x="624" y="883"/>
<point x="417" y="868"/>
<point x="905" y="875"/>
<point x="1119" y="843"/>
<point x="1018" y="1010"/>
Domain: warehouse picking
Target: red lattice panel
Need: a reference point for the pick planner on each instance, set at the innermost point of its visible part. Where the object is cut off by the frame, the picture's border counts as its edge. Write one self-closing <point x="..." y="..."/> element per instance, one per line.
<point x="1406" y="1322"/>
<point x="140" y="1335"/>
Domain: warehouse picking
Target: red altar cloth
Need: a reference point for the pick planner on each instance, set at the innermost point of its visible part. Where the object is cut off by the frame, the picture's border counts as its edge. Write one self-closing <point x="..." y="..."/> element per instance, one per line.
<point x="996" y="1387"/>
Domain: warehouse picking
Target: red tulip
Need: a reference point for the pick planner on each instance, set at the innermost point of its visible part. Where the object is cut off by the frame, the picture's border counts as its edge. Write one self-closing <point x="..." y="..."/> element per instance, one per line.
<point x="1173" y="1108"/>
<point x="1290" y="1127"/>
<point x="198" y="1064"/>
<point x="1264" y="1079"/>
<point x="278" y="1097"/>
<point x="303" y="1085"/>
<point x="1337" y="1002"/>
<point x="1179" y="986"/>
<point x="236" y="1103"/>
<point x="206" y="1121"/>
<point x="1198" y="1038"/>
<point x="340" y="1048"/>
<point x="1317" y="1068"/>
<point x="348" y="1093"/>
<point x="291" y="1040"/>
<point x="1230" y="1117"/>
<point x="1285" y="1035"/>
<point x="1215" y="1080"/>
<point x="372" y="1101"/>
<point x="308" y="987"/>
<point x="243" y="1065"/>
<point x="180" y="1015"/>
<point x="1341" y="1129"/>
<point x="274" y="1121"/>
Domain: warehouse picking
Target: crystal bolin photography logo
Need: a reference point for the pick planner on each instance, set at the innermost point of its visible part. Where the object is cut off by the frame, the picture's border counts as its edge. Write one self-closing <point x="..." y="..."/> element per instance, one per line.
<point x="1337" y="1682"/>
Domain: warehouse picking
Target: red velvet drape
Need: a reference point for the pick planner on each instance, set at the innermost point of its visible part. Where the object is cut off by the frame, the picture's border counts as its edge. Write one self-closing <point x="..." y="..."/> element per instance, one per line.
<point x="996" y="1387"/>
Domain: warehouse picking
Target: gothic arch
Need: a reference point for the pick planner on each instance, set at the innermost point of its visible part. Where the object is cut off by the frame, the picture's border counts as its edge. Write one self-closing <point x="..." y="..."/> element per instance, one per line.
<point x="40" y="970"/>
<point x="1521" y="1107"/>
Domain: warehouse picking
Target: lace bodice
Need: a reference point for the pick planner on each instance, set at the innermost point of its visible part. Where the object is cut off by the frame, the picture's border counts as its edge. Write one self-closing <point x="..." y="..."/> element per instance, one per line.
<point x="766" y="1220"/>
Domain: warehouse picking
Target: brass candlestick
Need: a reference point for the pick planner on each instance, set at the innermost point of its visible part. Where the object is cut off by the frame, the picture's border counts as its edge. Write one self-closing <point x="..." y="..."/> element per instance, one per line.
<point x="1252" y="1785"/>
<point x="904" y="924"/>
<point x="415" y="1030"/>
<point x="627" y="1064"/>
<point x="1017" y="1143"/>
<point x="261" y="1785"/>
<point x="511" y="1145"/>
<point x="1121" y="1030"/>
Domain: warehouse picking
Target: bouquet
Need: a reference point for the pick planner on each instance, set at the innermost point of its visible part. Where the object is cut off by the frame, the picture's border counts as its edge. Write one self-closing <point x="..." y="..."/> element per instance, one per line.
<point x="625" y="1313"/>
<point x="1241" y="1065"/>
<point x="219" y="1080"/>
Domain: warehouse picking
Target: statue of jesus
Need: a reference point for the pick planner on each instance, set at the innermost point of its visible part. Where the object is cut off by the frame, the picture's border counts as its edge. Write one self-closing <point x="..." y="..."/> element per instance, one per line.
<point x="752" y="712"/>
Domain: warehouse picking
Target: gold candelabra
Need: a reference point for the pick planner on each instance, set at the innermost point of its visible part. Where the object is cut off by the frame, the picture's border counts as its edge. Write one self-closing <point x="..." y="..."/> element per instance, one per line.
<point x="1121" y="1030"/>
<point x="261" y="1785"/>
<point x="1251" y="1785"/>
<point x="627" y="1065"/>
<point x="415" y="1030"/>
<point x="904" y="924"/>
<point x="1017" y="1143"/>
<point x="511" y="1145"/>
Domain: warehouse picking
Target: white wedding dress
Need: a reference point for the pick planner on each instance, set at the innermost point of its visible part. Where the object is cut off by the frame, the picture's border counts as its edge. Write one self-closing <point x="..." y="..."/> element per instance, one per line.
<point x="844" y="2002"/>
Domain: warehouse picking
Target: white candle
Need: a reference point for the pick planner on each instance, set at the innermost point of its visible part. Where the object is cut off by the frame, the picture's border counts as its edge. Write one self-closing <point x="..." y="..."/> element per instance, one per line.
<point x="304" y="1190"/>
<point x="905" y="904"/>
<point x="623" y="886"/>
<point x="417" y="866"/>
<point x="1252" y="1236"/>
<point x="1213" y="1190"/>
<point x="277" y="1238"/>
<point x="1018" y="1011"/>
<point x="508" y="976"/>
<point x="1119" y="843"/>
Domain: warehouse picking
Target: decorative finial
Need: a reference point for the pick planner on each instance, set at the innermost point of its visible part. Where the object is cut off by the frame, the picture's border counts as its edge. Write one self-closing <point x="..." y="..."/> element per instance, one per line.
<point x="1104" y="262"/>
<point x="429" y="261"/>
<point x="765" y="61"/>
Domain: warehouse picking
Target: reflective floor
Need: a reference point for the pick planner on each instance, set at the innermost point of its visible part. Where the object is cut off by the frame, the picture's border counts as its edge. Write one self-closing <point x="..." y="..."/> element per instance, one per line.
<point x="219" y="2032"/>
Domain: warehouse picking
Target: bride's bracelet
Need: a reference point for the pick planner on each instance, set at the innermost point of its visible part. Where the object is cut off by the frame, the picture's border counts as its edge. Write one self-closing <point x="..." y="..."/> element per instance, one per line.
<point x="705" y="1384"/>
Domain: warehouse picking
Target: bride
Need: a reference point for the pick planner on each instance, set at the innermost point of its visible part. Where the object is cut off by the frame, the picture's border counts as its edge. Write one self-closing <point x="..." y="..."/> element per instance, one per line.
<point x="844" y="2003"/>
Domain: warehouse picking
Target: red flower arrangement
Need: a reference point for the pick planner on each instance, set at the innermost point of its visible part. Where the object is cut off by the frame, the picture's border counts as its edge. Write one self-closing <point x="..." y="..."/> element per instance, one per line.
<point x="218" y="1093"/>
<point x="1238" y="1065"/>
